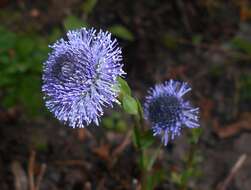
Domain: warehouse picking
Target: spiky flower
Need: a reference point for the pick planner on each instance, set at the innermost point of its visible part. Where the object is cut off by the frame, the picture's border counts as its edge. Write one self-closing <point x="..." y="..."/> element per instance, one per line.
<point x="80" y="76"/>
<point x="167" y="111"/>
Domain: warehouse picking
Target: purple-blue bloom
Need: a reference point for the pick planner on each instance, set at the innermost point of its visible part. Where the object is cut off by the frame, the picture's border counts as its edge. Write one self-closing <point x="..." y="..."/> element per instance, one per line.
<point x="168" y="112"/>
<point x="80" y="76"/>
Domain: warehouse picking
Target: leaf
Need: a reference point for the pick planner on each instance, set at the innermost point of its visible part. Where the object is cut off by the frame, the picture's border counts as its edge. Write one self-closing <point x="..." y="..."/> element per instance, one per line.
<point x="29" y="94"/>
<point x="130" y="105"/>
<point x="245" y="87"/>
<point x="186" y="175"/>
<point x="196" y="39"/>
<point x="153" y="159"/>
<point x="242" y="44"/>
<point x="195" y="135"/>
<point x="124" y="87"/>
<point x="7" y="39"/>
<point x="25" y="45"/>
<point x="55" y="34"/>
<point x="147" y="139"/>
<point x="176" y="178"/>
<point x="154" y="179"/>
<point x="140" y="109"/>
<point x="115" y="122"/>
<point x="72" y="22"/>
<point x="88" y="6"/>
<point x="170" y="41"/>
<point x="121" y="32"/>
<point x="136" y="137"/>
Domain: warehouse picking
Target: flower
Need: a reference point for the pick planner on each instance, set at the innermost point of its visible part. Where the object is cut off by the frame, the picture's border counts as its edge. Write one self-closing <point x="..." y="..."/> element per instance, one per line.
<point x="80" y="76"/>
<point x="167" y="111"/>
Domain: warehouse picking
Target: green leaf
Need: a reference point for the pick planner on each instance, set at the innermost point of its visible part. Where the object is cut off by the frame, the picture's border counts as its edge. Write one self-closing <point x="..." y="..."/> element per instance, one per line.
<point x="72" y="22"/>
<point x="136" y="137"/>
<point x="154" y="179"/>
<point x="242" y="44"/>
<point x="140" y="109"/>
<point x="121" y="32"/>
<point x="153" y="159"/>
<point x="29" y="94"/>
<point x="25" y="45"/>
<point x="170" y="41"/>
<point x="124" y="87"/>
<point x="55" y="34"/>
<point x="245" y="87"/>
<point x="7" y="39"/>
<point x="176" y="178"/>
<point x="88" y="6"/>
<point x="195" y="135"/>
<point x="186" y="175"/>
<point x="147" y="139"/>
<point x="130" y="105"/>
<point x="115" y="122"/>
<point x="197" y="39"/>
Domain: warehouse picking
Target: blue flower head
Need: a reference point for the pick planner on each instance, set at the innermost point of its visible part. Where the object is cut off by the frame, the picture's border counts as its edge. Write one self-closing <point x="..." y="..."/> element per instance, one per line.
<point x="80" y="76"/>
<point x="167" y="111"/>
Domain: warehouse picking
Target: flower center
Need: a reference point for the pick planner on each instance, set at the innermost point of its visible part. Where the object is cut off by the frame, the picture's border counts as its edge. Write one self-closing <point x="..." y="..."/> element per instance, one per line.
<point x="165" y="110"/>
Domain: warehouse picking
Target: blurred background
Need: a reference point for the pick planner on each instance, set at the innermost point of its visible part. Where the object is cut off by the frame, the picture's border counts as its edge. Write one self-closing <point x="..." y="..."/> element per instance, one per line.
<point x="206" y="43"/>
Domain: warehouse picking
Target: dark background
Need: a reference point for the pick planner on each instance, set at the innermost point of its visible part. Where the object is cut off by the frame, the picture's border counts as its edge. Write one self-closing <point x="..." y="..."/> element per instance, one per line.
<point x="206" y="43"/>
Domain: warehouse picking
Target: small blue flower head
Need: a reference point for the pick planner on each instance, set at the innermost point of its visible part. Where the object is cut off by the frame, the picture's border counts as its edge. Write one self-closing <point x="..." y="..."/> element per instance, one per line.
<point x="80" y="76"/>
<point x="167" y="111"/>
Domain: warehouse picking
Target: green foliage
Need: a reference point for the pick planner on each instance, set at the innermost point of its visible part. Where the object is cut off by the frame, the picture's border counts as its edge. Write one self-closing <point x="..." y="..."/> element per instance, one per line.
<point x="124" y="87"/>
<point x="71" y="22"/>
<point x="121" y="32"/>
<point x="242" y="44"/>
<point x="245" y="87"/>
<point x="21" y="57"/>
<point x="170" y="41"/>
<point x="39" y="142"/>
<point x="55" y="34"/>
<point x="181" y="179"/>
<point x="192" y="168"/>
<point x="216" y="70"/>
<point x="154" y="179"/>
<point x="130" y="105"/>
<point x="195" y="135"/>
<point x="147" y="139"/>
<point x="196" y="39"/>
<point x="176" y="178"/>
<point x="7" y="39"/>
<point x="115" y="122"/>
<point x="88" y="6"/>
<point x="140" y="110"/>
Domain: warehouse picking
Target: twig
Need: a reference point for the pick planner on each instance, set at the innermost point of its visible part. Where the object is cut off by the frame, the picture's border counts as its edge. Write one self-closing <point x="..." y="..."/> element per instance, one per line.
<point x="223" y="185"/>
<point x="185" y="20"/>
<point x="234" y="128"/>
<point x="19" y="176"/>
<point x="40" y="176"/>
<point x="31" y="169"/>
<point x="123" y="145"/>
<point x="79" y="163"/>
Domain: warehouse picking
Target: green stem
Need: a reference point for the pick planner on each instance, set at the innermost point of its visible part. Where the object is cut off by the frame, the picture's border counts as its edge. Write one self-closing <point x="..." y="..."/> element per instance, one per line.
<point x="155" y="155"/>
<point x="138" y="141"/>
<point x="189" y="163"/>
<point x="136" y="130"/>
<point x="145" y="167"/>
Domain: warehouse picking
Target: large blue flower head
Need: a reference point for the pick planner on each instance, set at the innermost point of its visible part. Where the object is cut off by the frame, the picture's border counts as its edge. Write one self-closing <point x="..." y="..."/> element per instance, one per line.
<point x="167" y="111"/>
<point x="80" y="76"/>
